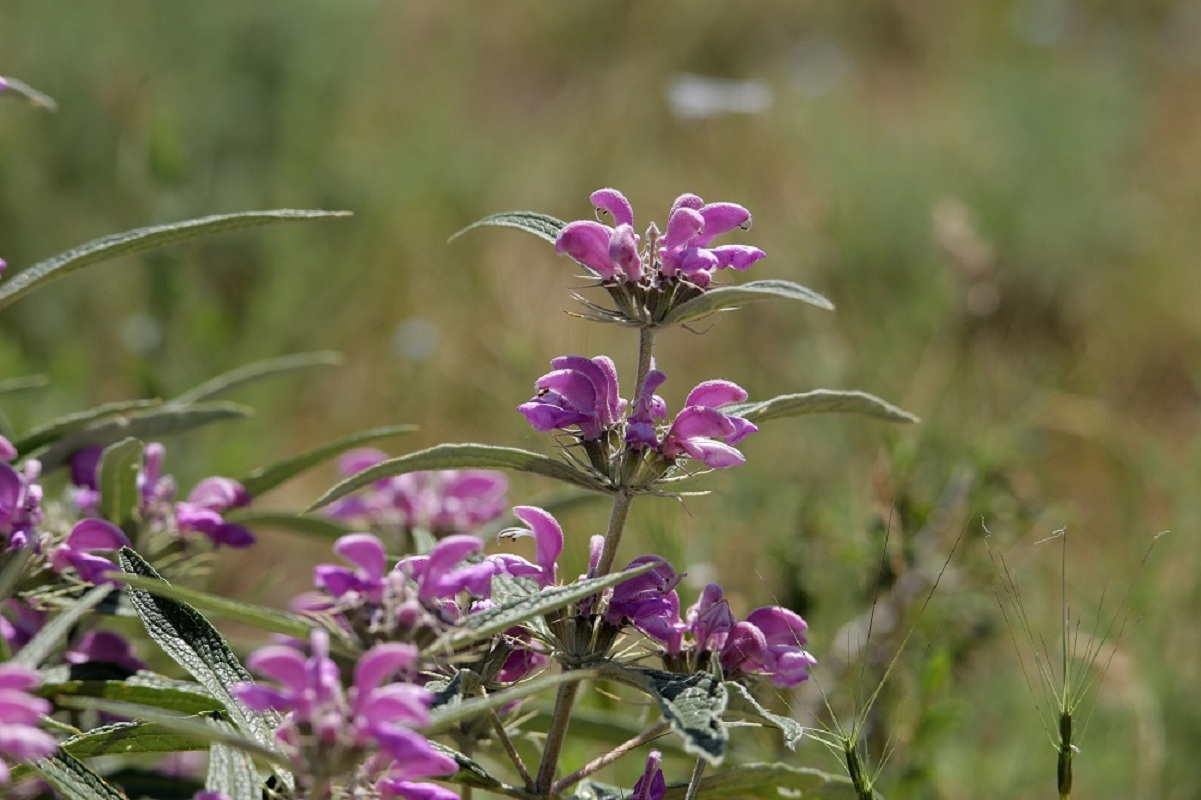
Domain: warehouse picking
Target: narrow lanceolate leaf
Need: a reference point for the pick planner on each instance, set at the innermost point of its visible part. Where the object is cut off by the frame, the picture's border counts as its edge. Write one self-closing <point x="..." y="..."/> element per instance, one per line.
<point x="820" y="401"/>
<point x="484" y="624"/>
<point x="29" y="94"/>
<point x="73" y="423"/>
<point x="269" y="619"/>
<point x="256" y="372"/>
<point x="139" y="240"/>
<point x="450" y="715"/>
<point x="541" y="225"/>
<point x="128" y="738"/>
<point x="54" y="633"/>
<point x="464" y="456"/>
<point x="75" y="780"/>
<point x="231" y="769"/>
<point x="269" y="477"/>
<point x="767" y="781"/>
<point x="145" y="425"/>
<point x="470" y="772"/>
<point x="725" y="297"/>
<point x="117" y="477"/>
<point x="693" y="705"/>
<point x="142" y="689"/>
<point x="194" y="644"/>
<point x="750" y="709"/>
<point x="22" y="384"/>
<point x="309" y="524"/>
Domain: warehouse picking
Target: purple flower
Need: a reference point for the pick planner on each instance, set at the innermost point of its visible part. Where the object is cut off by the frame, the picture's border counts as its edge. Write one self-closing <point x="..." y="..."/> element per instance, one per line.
<point x="579" y="392"/>
<point x="20" y="712"/>
<point x="769" y="642"/>
<point x="649" y="602"/>
<point x="652" y="785"/>
<point x="367" y="581"/>
<point x="443" y="574"/>
<point x="87" y="537"/>
<point x="20" y="503"/>
<point x="202" y="512"/>
<point x="548" y="545"/>
<point x="441" y="502"/>
<point x="611" y="253"/>
<point x="326" y="724"/>
<point x="702" y="432"/>
<point x="7" y="451"/>
<point x="710" y="620"/>
<point x="691" y="226"/>
<point x="104" y="646"/>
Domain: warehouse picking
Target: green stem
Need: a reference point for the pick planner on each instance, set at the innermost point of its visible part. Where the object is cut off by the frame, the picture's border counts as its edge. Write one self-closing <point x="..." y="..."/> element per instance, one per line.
<point x="617" y="523"/>
<point x="555" y="736"/>
<point x="609" y="758"/>
<point x="694" y="783"/>
<point x="646" y="345"/>
<point x="502" y="736"/>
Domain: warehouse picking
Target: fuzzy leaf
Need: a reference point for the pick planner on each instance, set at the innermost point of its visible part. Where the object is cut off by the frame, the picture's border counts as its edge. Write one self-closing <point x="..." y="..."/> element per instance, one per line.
<point x="56" y="429"/>
<point x="29" y="94"/>
<point x="793" y="731"/>
<point x="484" y="624"/>
<point x="766" y="781"/>
<point x="725" y="297"/>
<point x="313" y="525"/>
<point x="254" y="372"/>
<point x="23" y="384"/>
<point x="146" y="425"/>
<point x="143" y="689"/>
<point x="55" y="632"/>
<point x="117" y="477"/>
<point x="127" y="738"/>
<point x="452" y="714"/>
<point x="820" y="401"/>
<point x="269" y="619"/>
<point x="140" y="239"/>
<point x="470" y="772"/>
<point x="269" y="477"/>
<point x="541" y="225"/>
<point x="231" y="769"/>
<point x="75" y="780"/>
<point x="592" y="790"/>
<point x="196" y="646"/>
<point x="463" y="456"/>
<point x="693" y="705"/>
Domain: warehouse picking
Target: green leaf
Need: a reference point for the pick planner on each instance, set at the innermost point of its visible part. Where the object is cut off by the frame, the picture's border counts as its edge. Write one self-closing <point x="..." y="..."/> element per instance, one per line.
<point x="117" y="477"/>
<point x="725" y="297"/>
<point x="72" y="423"/>
<point x="74" y="780"/>
<point x="162" y="421"/>
<point x="820" y="401"/>
<point x="482" y="625"/>
<point x="29" y="94"/>
<point x="55" y="632"/>
<point x="23" y="384"/>
<point x="127" y="738"/>
<point x="194" y="644"/>
<point x="464" y="456"/>
<point x="139" y="240"/>
<point x="254" y="372"/>
<point x="693" y="705"/>
<point x="143" y="689"/>
<point x="231" y="770"/>
<point x="766" y="781"/>
<point x="452" y="714"/>
<point x="541" y="225"/>
<point x="269" y="477"/>
<point x="313" y="525"/>
<point x="195" y="726"/>
<point x="269" y="619"/>
<point x="470" y="772"/>
<point x="793" y="731"/>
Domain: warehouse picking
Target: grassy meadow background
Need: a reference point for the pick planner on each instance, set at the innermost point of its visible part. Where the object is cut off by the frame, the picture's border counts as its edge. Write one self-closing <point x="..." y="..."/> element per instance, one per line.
<point x="1002" y="198"/>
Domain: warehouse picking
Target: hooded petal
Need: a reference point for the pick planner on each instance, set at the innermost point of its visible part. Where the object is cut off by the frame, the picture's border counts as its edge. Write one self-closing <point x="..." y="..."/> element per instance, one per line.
<point x="721" y="218"/>
<point x="382" y="662"/>
<point x="548" y="540"/>
<point x="712" y="394"/>
<point x="364" y="551"/>
<point x="616" y="204"/>
<point x="588" y="243"/>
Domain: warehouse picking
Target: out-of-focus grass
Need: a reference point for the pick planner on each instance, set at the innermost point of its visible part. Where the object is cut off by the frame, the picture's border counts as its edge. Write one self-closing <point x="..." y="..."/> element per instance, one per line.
<point x="1001" y="198"/>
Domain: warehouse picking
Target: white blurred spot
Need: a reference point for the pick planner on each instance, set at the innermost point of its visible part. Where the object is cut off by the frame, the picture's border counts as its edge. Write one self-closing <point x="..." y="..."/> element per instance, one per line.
<point x="1042" y="23"/>
<point x="694" y="96"/>
<point x="416" y="339"/>
<point x="818" y="66"/>
<point x="141" y="334"/>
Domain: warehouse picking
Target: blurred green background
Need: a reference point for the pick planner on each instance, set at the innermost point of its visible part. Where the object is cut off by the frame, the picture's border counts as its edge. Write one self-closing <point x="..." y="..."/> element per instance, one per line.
<point x="1002" y="198"/>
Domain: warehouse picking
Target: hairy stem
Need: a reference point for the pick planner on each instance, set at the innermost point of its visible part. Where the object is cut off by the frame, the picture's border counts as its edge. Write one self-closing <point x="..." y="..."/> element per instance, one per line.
<point x="617" y="524"/>
<point x="555" y="736"/>
<point x="694" y="783"/>
<point x="610" y="757"/>
<point x="502" y="736"/>
<point x="646" y="345"/>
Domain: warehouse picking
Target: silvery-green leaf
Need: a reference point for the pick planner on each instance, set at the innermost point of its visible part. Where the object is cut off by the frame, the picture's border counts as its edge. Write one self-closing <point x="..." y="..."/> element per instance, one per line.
<point x="141" y="239"/>
<point x="144" y="689"/>
<point x="265" y="478"/>
<point x="693" y="705"/>
<point x="254" y="372"/>
<point x="117" y="479"/>
<point x="145" y="425"/>
<point x="63" y="426"/>
<point x="463" y="456"/>
<point x="724" y="297"/>
<point x="470" y="772"/>
<point x="820" y="401"/>
<point x="23" y="384"/>
<point x="541" y="225"/>
<point x="129" y="738"/>
<point x="766" y="781"/>
<point x="29" y="94"/>
<point x="231" y="770"/>
<point x="75" y="780"/>
<point x="55" y="632"/>
<point x="792" y="730"/>
<point x="311" y="524"/>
